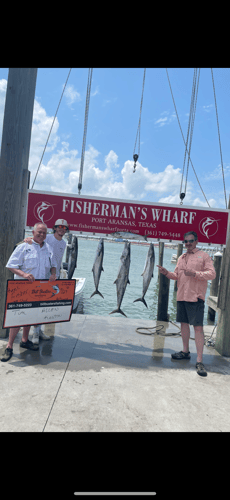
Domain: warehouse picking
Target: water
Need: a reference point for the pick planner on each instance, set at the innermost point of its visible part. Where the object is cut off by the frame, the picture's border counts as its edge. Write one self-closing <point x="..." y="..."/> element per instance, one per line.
<point x="112" y="252"/>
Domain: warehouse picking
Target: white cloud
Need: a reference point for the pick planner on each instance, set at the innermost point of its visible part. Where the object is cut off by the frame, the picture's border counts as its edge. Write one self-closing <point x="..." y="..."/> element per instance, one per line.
<point x="207" y="109"/>
<point x="166" y="120"/>
<point x="71" y="95"/>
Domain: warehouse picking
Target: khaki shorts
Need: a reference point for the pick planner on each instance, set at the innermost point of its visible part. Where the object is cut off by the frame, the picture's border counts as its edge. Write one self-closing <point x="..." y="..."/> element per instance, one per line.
<point x="190" y="312"/>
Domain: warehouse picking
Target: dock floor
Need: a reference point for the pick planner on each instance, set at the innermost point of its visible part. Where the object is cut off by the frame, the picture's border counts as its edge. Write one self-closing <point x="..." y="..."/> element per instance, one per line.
<point x="96" y="373"/>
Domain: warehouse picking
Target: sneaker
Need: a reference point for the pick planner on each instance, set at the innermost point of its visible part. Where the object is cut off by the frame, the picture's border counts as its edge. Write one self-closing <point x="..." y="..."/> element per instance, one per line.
<point x="7" y="354"/>
<point x="29" y="345"/>
<point x="181" y="355"/>
<point x="35" y="338"/>
<point x="201" y="369"/>
<point x="43" y="336"/>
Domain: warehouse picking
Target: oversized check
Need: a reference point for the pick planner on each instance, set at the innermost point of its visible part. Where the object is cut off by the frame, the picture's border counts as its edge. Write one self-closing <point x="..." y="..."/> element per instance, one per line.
<point x="38" y="302"/>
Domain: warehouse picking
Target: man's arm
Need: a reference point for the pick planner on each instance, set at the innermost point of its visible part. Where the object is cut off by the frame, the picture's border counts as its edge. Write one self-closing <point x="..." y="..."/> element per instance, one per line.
<point x="26" y="276"/>
<point x="53" y="274"/>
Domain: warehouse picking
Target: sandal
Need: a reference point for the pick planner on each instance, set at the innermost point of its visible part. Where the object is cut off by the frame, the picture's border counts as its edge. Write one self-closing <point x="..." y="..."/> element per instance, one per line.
<point x="201" y="369"/>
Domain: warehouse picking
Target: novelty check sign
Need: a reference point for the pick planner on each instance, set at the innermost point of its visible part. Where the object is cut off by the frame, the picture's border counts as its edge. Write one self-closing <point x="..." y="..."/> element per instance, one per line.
<point x="38" y="302"/>
<point x="108" y="216"/>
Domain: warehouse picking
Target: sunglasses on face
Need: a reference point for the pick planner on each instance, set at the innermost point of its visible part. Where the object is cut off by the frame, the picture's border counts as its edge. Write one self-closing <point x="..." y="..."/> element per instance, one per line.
<point x="62" y="227"/>
<point x="189" y="241"/>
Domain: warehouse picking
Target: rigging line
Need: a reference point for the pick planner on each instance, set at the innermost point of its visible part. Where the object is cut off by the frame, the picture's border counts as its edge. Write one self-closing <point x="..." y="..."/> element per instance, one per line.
<point x="192" y="124"/>
<point x="139" y="123"/>
<point x="184" y="138"/>
<point x="219" y="139"/>
<point x="85" y="128"/>
<point x="136" y="156"/>
<point x="189" y="125"/>
<point x="51" y="127"/>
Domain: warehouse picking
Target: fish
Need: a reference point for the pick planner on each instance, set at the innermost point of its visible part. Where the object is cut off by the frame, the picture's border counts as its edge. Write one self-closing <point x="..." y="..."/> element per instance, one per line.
<point x="128" y="236"/>
<point x="147" y="273"/>
<point x="98" y="267"/>
<point x="122" y="278"/>
<point x="72" y="263"/>
<point x="56" y="289"/>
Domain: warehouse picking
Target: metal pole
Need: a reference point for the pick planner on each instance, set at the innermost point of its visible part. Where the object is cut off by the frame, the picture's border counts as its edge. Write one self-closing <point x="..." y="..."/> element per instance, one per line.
<point x="16" y="136"/>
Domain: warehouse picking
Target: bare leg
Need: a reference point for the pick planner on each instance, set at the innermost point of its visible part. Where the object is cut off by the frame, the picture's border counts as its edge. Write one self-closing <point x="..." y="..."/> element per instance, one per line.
<point x="12" y="335"/>
<point x="199" y="340"/>
<point x="185" y="334"/>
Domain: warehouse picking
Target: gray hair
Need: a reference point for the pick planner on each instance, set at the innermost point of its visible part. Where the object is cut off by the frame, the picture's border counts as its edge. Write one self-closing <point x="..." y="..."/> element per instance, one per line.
<point x="39" y="224"/>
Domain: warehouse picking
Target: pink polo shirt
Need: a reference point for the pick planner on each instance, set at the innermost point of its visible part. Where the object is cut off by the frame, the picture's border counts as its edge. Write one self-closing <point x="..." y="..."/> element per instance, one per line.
<point x="191" y="288"/>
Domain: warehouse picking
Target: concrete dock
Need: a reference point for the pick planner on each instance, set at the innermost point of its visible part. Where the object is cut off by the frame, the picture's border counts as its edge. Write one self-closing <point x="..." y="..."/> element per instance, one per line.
<point x="98" y="374"/>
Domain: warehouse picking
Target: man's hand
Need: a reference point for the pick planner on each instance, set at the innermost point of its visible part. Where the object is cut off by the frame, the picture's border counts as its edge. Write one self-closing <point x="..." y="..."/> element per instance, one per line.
<point x="28" y="240"/>
<point x="52" y="277"/>
<point x="189" y="273"/>
<point x="162" y="270"/>
<point x="29" y="276"/>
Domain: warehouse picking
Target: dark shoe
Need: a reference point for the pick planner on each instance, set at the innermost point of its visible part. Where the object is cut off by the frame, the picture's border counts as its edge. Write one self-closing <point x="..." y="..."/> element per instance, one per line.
<point x="181" y="355"/>
<point x="201" y="369"/>
<point x="29" y="345"/>
<point x="7" y="354"/>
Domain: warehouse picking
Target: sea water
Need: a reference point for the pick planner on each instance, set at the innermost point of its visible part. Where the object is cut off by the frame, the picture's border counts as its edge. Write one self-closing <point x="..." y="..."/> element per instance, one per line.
<point x="111" y="263"/>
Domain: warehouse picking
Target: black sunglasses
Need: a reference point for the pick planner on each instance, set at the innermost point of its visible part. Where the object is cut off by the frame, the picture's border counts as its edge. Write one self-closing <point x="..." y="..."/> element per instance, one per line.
<point x="189" y="241"/>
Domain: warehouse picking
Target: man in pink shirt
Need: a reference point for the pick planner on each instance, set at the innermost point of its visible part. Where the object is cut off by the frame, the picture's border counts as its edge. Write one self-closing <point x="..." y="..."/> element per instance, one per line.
<point x="192" y="272"/>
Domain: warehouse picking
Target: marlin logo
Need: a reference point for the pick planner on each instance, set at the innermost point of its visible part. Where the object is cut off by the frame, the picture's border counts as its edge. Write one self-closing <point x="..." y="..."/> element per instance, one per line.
<point x="208" y="226"/>
<point x="43" y="211"/>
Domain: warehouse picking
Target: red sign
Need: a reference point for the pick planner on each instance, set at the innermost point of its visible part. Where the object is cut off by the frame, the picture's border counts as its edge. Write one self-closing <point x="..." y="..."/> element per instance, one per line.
<point x="106" y="216"/>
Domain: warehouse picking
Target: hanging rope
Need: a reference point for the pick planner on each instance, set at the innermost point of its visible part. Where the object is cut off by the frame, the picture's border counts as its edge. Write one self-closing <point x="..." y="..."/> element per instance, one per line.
<point x="222" y="166"/>
<point x="190" y="131"/>
<point x="136" y="156"/>
<point x="51" y="127"/>
<point x="85" y="128"/>
<point x="184" y="138"/>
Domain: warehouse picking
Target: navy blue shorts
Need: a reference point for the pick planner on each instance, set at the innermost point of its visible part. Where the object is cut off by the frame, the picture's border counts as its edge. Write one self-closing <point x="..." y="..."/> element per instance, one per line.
<point x="190" y="312"/>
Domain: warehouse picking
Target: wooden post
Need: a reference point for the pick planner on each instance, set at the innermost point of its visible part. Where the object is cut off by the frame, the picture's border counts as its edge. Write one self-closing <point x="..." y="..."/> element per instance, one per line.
<point x="161" y="254"/>
<point x="163" y="296"/>
<point x="179" y="253"/>
<point x="16" y="135"/>
<point x="215" y="284"/>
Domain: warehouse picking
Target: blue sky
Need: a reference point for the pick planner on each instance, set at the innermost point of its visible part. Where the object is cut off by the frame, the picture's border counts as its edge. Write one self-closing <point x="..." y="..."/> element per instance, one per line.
<point x="112" y="126"/>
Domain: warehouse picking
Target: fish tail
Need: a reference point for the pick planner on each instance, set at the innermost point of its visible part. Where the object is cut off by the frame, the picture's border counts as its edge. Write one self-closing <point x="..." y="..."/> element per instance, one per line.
<point x="118" y="311"/>
<point x="141" y="300"/>
<point x="96" y="292"/>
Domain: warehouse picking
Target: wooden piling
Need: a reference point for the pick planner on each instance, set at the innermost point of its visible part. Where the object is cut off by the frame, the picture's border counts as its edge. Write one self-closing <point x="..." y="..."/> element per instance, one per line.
<point x="179" y="253"/>
<point x="163" y="296"/>
<point x="215" y="284"/>
<point x="15" y="147"/>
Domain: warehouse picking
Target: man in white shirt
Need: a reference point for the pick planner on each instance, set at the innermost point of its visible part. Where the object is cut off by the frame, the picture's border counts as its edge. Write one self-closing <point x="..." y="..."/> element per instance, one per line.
<point x="34" y="261"/>
<point x="58" y="246"/>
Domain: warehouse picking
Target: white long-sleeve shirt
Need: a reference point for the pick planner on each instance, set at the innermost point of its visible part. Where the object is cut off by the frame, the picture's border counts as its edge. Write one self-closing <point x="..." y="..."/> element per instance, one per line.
<point x="33" y="259"/>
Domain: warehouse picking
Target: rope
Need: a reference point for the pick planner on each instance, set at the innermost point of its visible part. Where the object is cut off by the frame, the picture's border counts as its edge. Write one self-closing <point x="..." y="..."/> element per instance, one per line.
<point x="51" y="128"/>
<point x="219" y="139"/>
<point x="136" y="156"/>
<point x="85" y="128"/>
<point x="184" y="138"/>
<point x="190" y="130"/>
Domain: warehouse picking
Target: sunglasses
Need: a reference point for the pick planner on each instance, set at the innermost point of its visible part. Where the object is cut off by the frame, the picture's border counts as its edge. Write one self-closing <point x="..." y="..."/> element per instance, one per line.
<point x="189" y="241"/>
<point x="62" y="227"/>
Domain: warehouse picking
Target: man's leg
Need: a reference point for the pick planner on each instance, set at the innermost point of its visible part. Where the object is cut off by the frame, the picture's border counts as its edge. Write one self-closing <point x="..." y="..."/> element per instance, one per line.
<point x="12" y="335"/>
<point x="185" y="334"/>
<point x="199" y="340"/>
<point x="25" y="333"/>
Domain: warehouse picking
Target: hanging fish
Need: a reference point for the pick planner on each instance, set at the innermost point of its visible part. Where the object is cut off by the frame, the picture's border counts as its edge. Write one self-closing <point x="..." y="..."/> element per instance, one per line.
<point x="72" y="263"/>
<point x="147" y="273"/>
<point x="122" y="278"/>
<point x="98" y="267"/>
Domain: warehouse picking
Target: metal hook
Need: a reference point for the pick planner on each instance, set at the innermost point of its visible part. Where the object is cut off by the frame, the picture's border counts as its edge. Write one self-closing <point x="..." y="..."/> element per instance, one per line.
<point x="135" y="157"/>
